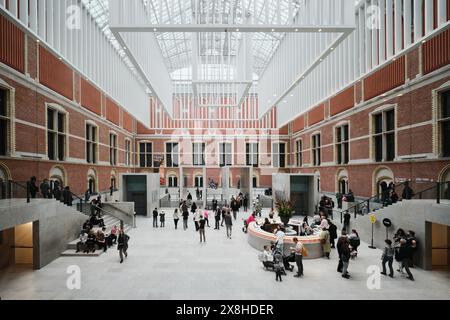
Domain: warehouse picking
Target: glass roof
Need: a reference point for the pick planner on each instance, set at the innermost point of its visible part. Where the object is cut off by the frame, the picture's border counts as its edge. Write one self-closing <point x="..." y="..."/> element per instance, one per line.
<point x="176" y="48"/>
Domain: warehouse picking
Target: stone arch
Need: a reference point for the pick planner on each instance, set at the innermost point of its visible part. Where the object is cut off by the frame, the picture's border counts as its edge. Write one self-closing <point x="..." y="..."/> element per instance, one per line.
<point x="5" y="173"/>
<point x="444" y="176"/>
<point x="341" y="181"/>
<point x="379" y="175"/>
<point x="172" y="179"/>
<point x="92" y="180"/>
<point x="58" y="173"/>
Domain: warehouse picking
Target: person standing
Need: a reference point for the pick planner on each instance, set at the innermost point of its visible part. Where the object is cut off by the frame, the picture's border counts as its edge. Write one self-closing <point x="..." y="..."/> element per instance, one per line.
<point x="185" y="217"/>
<point x="228" y="224"/>
<point x="280" y="239"/>
<point x="206" y="216"/>
<point x="388" y="257"/>
<point x="325" y="238"/>
<point x="279" y="265"/>
<point x="217" y="213"/>
<point x="122" y="244"/>
<point x="338" y="247"/>
<point x="45" y="189"/>
<point x="234" y="207"/>
<point x="33" y="187"/>
<point x="155" y="218"/>
<point x="245" y="203"/>
<point x="298" y="251"/>
<point x="193" y="207"/>
<point x="214" y="204"/>
<point x="345" y="257"/>
<point x="333" y="233"/>
<point x="201" y="228"/>
<point x="347" y="221"/>
<point x="406" y="252"/>
<point x="407" y="193"/>
<point x="162" y="219"/>
<point x="197" y="219"/>
<point x="176" y="218"/>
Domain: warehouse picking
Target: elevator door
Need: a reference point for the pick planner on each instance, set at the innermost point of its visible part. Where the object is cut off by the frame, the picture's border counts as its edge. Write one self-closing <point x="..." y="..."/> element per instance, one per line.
<point x="140" y="202"/>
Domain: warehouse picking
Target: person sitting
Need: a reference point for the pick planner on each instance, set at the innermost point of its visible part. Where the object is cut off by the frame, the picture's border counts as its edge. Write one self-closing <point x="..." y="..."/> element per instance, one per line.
<point x="113" y="235"/>
<point x="316" y="221"/>
<point x="304" y="230"/>
<point x="266" y="225"/>
<point x="87" y="226"/>
<point x="101" y="239"/>
<point x="81" y="245"/>
<point x="90" y="242"/>
<point x="249" y="220"/>
<point x="266" y="258"/>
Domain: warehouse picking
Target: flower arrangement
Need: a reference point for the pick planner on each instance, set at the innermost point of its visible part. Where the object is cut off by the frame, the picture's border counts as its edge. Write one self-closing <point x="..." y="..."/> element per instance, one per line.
<point x="285" y="209"/>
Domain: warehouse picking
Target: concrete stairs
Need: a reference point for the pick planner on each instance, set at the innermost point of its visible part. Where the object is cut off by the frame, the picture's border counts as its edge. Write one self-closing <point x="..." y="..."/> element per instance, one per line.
<point x="110" y="221"/>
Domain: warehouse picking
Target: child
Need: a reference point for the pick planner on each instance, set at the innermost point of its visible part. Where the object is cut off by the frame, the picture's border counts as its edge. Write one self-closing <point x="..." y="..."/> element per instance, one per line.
<point x="388" y="256"/>
<point x="162" y="218"/>
<point x="278" y="266"/>
<point x="205" y="215"/>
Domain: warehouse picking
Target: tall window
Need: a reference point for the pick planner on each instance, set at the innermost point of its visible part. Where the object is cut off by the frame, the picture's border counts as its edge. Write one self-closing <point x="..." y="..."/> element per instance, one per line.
<point x="112" y="149"/>
<point x="384" y="136"/>
<point x="316" y="146"/>
<point x="173" y="182"/>
<point x="252" y="154"/>
<point x="342" y="145"/>
<point x="198" y="154"/>
<point x="225" y="154"/>
<point x="56" y="134"/>
<point x="279" y="155"/>
<point x="91" y="143"/>
<point x="145" y="154"/>
<point x="444" y="122"/>
<point x="172" y="155"/>
<point x="4" y="122"/>
<point x="298" y="153"/>
<point x="127" y="152"/>
<point x="198" y="182"/>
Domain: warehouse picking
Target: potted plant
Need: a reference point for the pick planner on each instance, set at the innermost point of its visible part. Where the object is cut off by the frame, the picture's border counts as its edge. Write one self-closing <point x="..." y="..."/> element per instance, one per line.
<point x="285" y="210"/>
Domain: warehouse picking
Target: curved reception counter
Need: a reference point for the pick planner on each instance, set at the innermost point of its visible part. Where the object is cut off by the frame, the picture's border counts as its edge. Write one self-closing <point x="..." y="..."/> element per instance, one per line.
<point x="258" y="238"/>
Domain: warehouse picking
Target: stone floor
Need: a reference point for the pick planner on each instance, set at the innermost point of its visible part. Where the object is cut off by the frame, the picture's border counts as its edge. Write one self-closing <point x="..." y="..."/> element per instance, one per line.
<point x="169" y="264"/>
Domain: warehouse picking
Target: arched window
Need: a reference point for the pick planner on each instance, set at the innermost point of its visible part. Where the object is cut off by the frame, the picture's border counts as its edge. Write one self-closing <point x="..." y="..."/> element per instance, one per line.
<point x="58" y="173"/>
<point x="172" y="181"/>
<point x="382" y="177"/>
<point x="92" y="181"/>
<point x="198" y="181"/>
<point x="342" y="181"/>
<point x="255" y="182"/>
<point x="445" y="187"/>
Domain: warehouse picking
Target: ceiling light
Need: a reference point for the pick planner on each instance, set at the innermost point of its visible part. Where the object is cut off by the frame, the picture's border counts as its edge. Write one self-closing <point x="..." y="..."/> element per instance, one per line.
<point x="38" y="40"/>
<point x="154" y="29"/>
<point x="274" y="94"/>
<point x="320" y="30"/>
<point x="292" y="95"/>
<point x="237" y="30"/>
<point x="332" y="48"/>
<point x="296" y="30"/>
<point x="273" y="30"/>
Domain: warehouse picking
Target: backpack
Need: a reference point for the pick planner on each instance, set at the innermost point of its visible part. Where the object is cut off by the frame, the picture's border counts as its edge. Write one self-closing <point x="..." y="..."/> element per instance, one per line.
<point x="355" y="242"/>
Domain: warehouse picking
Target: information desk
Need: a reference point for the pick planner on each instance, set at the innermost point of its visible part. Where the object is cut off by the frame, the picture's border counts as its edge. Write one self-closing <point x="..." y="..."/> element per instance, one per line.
<point x="258" y="238"/>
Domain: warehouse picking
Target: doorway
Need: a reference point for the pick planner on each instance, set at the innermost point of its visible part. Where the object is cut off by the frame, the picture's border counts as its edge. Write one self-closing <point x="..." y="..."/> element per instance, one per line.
<point x="16" y="246"/>
<point x="440" y="246"/>
<point x="140" y="202"/>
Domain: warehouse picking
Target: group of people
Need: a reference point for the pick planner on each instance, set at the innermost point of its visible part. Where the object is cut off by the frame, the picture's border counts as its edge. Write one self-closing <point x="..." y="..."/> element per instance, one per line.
<point x="402" y="250"/>
<point x="91" y="238"/>
<point x="50" y="190"/>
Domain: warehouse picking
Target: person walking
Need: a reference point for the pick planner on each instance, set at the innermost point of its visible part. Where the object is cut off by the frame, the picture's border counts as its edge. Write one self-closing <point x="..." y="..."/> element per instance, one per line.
<point x="155" y="218"/>
<point x="245" y="203"/>
<point x="333" y="233"/>
<point x="206" y="216"/>
<point x="234" y="207"/>
<point x="197" y="219"/>
<point x="214" y="204"/>
<point x="176" y="218"/>
<point x="201" y="228"/>
<point x="217" y="213"/>
<point x="407" y="193"/>
<point x="122" y="244"/>
<point x="33" y="187"/>
<point x="298" y="251"/>
<point x="228" y="224"/>
<point x="347" y="217"/>
<point x="388" y="257"/>
<point x="406" y="253"/>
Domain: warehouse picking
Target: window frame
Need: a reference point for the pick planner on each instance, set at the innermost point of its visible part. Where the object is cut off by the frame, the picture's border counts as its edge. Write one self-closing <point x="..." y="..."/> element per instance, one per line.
<point x="299" y="153"/>
<point x="250" y="154"/>
<point x="198" y="155"/>
<point x="146" y="154"/>
<point x="441" y="121"/>
<point x="128" y="152"/>
<point x="172" y="154"/>
<point x="8" y="118"/>
<point x="383" y="134"/>
<point x="113" y="148"/>
<point x="92" y="143"/>
<point x="278" y="154"/>
<point x="224" y="154"/>
<point x="342" y="155"/>
<point x="316" y="151"/>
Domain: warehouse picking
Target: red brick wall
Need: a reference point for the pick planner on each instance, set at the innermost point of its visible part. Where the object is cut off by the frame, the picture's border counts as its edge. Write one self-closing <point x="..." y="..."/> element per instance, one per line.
<point x="32" y="57"/>
<point x="55" y="74"/>
<point x="343" y="101"/>
<point x="436" y="52"/>
<point x="112" y="111"/>
<point x="316" y="115"/>
<point x="90" y="97"/>
<point x="12" y="41"/>
<point x="388" y="78"/>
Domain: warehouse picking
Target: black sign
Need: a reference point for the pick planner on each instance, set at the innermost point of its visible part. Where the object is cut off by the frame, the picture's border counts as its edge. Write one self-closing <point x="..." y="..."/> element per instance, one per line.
<point x="387" y="222"/>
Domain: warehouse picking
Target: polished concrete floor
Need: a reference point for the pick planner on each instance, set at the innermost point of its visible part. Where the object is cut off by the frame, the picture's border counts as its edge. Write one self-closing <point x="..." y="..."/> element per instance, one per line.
<point x="172" y="264"/>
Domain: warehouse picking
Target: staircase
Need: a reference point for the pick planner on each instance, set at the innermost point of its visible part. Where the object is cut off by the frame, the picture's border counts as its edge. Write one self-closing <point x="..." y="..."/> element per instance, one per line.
<point x="110" y="221"/>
